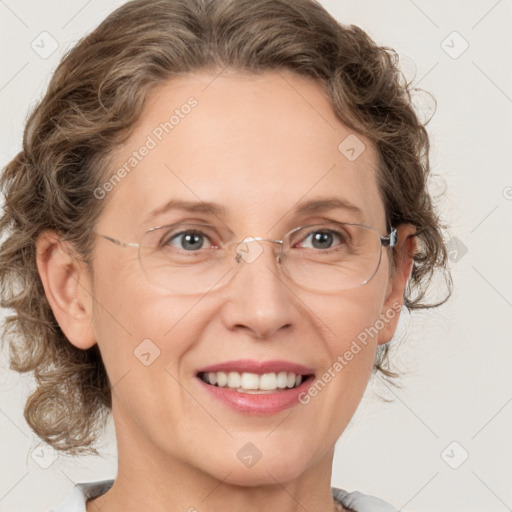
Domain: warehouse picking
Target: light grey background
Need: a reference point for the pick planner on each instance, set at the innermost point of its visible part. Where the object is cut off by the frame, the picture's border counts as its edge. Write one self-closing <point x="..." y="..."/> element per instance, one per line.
<point x="457" y="359"/>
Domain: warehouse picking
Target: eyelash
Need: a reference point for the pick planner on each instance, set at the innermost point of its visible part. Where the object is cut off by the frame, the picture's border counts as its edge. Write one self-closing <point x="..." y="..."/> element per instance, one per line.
<point x="175" y="236"/>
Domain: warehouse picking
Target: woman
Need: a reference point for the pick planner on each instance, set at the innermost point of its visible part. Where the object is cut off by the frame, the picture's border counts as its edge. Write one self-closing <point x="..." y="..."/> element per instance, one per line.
<point x="218" y="213"/>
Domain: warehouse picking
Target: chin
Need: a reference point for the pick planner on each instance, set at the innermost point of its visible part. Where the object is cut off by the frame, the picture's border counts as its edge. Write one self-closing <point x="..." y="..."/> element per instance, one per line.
<point x="262" y="474"/>
<point x="252" y="467"/>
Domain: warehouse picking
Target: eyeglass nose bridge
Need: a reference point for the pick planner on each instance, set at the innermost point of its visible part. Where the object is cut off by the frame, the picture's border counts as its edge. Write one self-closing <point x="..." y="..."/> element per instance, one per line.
<point x="243" y="252"/>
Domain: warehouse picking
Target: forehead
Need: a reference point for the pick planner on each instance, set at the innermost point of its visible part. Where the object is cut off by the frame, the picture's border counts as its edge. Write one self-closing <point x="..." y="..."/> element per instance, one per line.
<point x="258" y="145"/>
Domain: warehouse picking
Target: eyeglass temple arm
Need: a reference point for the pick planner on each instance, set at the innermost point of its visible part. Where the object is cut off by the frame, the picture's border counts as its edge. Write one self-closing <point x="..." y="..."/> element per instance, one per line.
<point x="114" y="241"/>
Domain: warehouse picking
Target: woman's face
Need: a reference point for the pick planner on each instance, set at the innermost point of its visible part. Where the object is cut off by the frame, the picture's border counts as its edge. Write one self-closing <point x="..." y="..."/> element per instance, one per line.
<point x="259" y="146"/>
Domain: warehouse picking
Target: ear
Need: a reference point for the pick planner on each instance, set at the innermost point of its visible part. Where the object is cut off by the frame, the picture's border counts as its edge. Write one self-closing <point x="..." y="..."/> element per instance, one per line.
<point x="67" y="286"/>
<point x="404" y="251"/>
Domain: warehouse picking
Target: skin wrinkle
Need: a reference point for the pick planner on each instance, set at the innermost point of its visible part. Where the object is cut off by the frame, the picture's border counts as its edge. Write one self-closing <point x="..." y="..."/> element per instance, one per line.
<point x="165" y="425"/>
<point x="288" y="83"/>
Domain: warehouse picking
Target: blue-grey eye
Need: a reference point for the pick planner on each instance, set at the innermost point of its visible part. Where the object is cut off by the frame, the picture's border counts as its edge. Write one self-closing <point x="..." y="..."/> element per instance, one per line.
<point x="323" y="239"/>
<point x="188" y="240"/>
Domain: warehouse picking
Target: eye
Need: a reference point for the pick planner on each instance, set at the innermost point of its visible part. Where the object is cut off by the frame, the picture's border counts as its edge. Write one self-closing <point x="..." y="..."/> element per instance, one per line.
<point x="187" y="240"/>
<point x="324" y="239"/>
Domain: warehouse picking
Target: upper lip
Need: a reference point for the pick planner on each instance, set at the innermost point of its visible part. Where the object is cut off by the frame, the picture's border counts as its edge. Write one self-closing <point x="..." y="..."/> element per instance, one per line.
<point x="259" y="367"/>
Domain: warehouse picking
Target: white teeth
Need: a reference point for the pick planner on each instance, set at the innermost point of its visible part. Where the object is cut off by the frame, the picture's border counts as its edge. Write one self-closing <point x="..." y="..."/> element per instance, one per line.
<point x="234" y="380"/>
<point x="253" y="381"/>
<point x="222" y="379"/>
<point x="250" y="381"/>
<point x="268" y="381"/>
<point x="282" y="380"/>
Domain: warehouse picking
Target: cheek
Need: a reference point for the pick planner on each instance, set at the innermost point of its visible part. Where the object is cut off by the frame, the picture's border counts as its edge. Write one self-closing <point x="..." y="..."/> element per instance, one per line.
<point x="354" y="321"/>
<point x="351" y="316"/>
<point x="138" y="326"/>
<point x="143" y="339"/>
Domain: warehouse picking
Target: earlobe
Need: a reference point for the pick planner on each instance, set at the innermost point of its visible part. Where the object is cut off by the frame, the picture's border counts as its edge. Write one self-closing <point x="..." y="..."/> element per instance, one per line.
<point x="405" y="251"/>
<point x="66" y="288"/>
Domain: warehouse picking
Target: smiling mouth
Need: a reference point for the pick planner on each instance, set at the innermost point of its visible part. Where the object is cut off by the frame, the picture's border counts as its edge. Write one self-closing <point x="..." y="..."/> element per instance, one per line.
<point x="254" y="383"/>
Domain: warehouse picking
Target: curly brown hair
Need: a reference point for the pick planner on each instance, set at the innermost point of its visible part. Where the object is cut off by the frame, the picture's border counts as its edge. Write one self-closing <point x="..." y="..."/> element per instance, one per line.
<point x="93" y="100"/>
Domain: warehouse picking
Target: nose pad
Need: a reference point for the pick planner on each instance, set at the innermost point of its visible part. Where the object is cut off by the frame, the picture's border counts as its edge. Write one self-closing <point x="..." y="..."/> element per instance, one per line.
<point x="250" y="249"/>
<point x="250" y="252"/>
<point x="247" y="251"/>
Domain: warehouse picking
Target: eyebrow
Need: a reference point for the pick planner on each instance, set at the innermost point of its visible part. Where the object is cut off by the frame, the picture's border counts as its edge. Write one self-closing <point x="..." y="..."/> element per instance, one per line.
<point x="326" y="204"/>
<point x="188" y="206"/>
<point x="306" y="208"/>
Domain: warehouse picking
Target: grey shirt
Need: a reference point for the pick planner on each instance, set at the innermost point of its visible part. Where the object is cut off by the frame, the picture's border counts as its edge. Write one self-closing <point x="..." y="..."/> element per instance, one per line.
<point x="354" y="501"/>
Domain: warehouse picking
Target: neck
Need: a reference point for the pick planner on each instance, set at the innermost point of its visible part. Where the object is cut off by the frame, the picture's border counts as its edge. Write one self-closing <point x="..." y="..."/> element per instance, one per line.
<point x="150" y="480"/>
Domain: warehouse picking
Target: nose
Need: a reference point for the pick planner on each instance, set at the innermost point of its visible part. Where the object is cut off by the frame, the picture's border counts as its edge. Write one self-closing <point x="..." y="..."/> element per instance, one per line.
<point x="258" y="297"/>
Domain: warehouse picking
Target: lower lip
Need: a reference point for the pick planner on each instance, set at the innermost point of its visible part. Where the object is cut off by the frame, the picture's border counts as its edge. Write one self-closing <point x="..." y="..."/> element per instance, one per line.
<point x="261" y="404"/>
